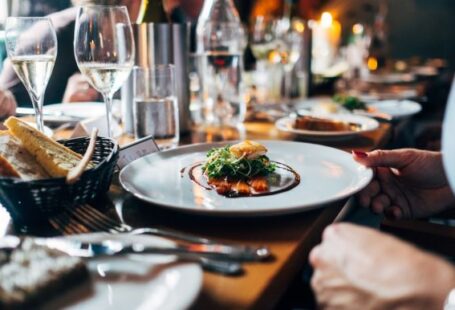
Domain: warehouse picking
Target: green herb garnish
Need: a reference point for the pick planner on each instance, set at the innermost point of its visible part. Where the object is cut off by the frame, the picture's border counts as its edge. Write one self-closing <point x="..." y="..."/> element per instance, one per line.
<point x="222" y="163"/>
<point x="350" y="102"/>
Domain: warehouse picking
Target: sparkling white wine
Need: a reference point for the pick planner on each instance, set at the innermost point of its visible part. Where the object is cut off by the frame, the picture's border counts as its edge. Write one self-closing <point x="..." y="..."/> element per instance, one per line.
<point x="261" y="51"/>
<point x="34" y="71"/>
<point x="105" y="77"/>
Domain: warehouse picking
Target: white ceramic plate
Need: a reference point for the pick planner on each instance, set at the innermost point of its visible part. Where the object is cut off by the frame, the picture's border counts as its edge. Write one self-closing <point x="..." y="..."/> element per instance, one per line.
<point x="135" y="281"/>
<point x="327" y="175"/>
<point x="78" y="110"/>
<point x="367" y="124"/>
<point x="398" y="109"/>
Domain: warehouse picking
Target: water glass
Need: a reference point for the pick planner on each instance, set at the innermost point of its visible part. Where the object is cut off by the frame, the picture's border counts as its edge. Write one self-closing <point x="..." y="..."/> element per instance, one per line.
<point x="155" y="106"/>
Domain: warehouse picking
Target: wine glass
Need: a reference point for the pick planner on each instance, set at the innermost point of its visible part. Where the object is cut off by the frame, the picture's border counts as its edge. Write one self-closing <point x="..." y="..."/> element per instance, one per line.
<point x="262" y="39"/>
<point x="31" y="44"/>
<point x="104" y="50"/>
<point x="289" y="34"/>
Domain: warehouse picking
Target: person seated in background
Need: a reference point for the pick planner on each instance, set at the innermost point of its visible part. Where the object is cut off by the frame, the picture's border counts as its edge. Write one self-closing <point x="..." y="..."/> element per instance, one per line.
<point x="66" y="83"/>
<point x="360" y="268"/>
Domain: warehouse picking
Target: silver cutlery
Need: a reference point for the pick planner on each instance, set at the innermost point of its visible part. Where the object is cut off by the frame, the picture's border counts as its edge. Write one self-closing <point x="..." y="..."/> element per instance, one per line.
<point x="93" y="220"/>
<point x="115" y="248"/>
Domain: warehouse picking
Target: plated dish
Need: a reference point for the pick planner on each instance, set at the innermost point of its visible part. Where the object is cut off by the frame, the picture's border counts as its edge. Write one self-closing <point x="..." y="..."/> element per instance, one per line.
<point x="318" y="126"/>
<point x="387" y="109"/>
<point x="242" y="170"/>
<point x="326" y="175"/>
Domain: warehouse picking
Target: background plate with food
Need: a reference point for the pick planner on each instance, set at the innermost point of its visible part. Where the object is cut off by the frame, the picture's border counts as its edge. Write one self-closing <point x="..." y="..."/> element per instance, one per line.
<point x="380" y="109"/>
<point x="325" y="175"/>
<point x="318" y="126"/>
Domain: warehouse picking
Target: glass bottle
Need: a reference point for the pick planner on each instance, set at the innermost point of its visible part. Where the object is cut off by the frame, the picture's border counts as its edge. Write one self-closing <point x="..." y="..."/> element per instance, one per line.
<point x="152" y="11"/>
<point x="220" y="45"/>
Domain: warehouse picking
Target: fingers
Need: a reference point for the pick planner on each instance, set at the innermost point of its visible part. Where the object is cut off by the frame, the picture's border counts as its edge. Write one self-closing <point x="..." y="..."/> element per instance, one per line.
<point x="368" y="193"/>
<point x="384" y="158"/>
<point x="380" y="203"/>
<point x="7" y="104"/>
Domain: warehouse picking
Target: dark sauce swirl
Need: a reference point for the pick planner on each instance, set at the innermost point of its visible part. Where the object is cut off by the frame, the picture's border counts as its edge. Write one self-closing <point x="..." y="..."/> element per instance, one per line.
<point x="283" y="179"/>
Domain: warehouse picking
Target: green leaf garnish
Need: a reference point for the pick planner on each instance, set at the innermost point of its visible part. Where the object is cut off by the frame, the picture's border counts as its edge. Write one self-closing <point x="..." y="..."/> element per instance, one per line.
<point x="222" y="163"/>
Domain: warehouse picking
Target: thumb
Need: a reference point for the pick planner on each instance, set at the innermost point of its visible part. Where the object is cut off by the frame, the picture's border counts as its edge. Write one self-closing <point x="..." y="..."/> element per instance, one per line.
<point x="382" y="158"/>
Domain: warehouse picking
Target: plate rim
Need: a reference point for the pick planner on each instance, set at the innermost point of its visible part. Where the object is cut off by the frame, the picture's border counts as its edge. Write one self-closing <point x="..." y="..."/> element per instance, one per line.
<point x="245" y="212"/>
<point x="400" y="116"/>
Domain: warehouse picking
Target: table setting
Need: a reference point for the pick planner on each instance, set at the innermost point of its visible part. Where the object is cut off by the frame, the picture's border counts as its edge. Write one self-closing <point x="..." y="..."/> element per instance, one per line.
<point x="185" y="189"/>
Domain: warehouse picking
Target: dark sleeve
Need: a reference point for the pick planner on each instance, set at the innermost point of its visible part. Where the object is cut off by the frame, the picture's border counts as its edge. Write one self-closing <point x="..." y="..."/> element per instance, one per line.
<point x="64" y="67"/>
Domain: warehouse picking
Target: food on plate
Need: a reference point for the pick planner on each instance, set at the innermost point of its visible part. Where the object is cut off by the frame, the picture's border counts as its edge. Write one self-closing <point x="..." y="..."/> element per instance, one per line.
<point x="32" y="274"/>
<point x="350" y="103"/>
<point x="29" y="154"/>
<point x="312" y="123"/>
<point x="243" y="169"/>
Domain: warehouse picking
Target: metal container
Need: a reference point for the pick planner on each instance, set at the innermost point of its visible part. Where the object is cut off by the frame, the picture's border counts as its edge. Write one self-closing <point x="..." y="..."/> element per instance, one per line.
<point x="161" y="44"/>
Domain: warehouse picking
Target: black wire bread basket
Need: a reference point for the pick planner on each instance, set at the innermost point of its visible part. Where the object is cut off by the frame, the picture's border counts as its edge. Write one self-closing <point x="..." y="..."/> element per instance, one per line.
<point x="37" y="200"/>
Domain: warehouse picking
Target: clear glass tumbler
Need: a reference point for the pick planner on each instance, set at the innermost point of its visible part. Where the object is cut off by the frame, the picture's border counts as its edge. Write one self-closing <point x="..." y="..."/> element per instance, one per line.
<point x="155" y="107"/>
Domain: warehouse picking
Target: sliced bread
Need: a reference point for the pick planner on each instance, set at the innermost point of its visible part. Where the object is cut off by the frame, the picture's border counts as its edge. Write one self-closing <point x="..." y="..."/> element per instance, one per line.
<point x="16" y="161"/>
<point x="55" y="158"/>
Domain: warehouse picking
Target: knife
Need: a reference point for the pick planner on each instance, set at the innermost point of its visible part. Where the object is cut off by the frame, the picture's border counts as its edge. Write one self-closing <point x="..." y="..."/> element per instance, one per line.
<point x="110" y="247"/>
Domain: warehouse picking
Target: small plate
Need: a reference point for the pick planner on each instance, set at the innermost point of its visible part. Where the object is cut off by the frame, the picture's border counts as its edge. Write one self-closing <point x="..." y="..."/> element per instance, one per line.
<point x="397" y="109"/>
<point x="390" y="78"/>
<point x="134" y="281"/>
<point x="326" y="175"/>
<point x="367" y="124"/>
<point x="72" y="113"/>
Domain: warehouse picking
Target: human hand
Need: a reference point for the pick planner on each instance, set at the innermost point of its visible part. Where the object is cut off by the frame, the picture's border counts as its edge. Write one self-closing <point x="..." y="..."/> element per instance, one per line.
<point x="78" y="89"/>
<point x="360" y="268"/>
<point x="7" y="104"/>
<point x="408" y="183"/>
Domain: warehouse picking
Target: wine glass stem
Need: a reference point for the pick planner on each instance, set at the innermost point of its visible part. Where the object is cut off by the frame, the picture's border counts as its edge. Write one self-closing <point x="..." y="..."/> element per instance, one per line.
<point x="38" y="106"/>
<point x="108" y="102"/>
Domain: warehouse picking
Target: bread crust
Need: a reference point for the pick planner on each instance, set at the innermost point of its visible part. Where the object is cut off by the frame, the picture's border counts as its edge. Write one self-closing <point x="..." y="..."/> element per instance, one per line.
<point x="15" y="161"/>
<point x="55" y="158"/>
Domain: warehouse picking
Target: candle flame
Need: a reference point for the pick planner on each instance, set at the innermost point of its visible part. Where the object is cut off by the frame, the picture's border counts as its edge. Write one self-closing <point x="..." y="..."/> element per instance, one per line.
<point x="326" y="20"/>
<point x="357" y="29"/>
<point x="372" y="63"/>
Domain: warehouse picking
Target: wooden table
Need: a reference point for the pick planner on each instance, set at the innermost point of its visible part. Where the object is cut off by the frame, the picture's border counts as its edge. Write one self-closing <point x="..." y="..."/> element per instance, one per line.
<point x="290" y="238"/>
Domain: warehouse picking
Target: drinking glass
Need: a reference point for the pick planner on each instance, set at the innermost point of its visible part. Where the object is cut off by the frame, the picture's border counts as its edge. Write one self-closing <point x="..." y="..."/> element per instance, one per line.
<point x="104" y="50"/>
<point x="262" y="39"/>
<point x="155" y="107"/>
<point x="31" y="44"/>
<point x="289" y="34"/>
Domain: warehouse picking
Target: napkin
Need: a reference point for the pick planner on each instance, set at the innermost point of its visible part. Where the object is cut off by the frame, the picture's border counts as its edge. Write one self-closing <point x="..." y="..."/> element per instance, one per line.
<point x="85" y="127"/>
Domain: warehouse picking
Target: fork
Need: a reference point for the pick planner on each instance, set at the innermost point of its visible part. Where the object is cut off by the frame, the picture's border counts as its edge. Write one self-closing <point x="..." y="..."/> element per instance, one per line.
<point x="95" y="220"/>
<point x="69" y="226"/>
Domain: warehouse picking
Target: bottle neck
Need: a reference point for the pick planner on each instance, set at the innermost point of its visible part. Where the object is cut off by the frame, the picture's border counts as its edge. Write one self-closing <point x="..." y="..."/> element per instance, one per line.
<point x="152" y="11"/>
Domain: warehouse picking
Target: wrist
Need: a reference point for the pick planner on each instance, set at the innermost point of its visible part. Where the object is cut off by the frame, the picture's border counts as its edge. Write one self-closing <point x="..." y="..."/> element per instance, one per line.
<point x="449" y="303"/>
<point x="446" y="287"/>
